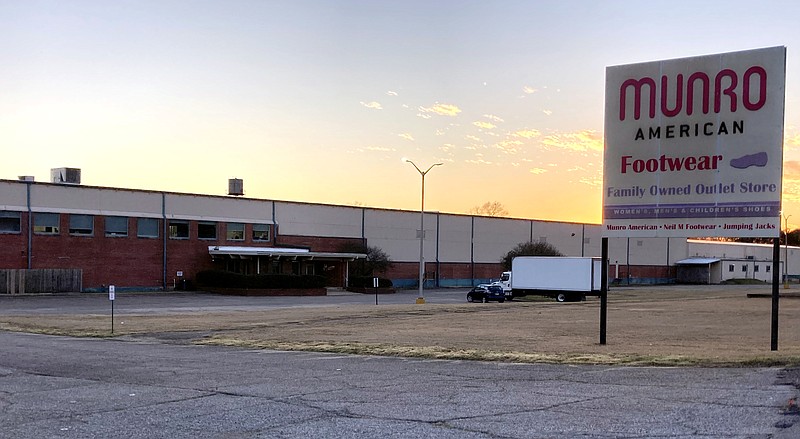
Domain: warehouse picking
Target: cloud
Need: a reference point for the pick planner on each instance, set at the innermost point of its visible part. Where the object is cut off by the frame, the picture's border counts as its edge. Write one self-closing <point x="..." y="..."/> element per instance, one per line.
<point x="547" y="112"/>
<point x="509" y="146"/>
<point x="379" y="148"/>
<point x="473" y="138"/>
<point x="493" y="118"/>
<point x="537" y="171"/>
<point x="528" y="90"/>
<point x="584" y="140"/>
<point x="484" y="125"/>
<point x="424" y="116"/>
<point x="791" y="141"/>
<point x="527" y="133"/>
<point x="594" y="180"/>
<point x="442" y="109"/>
<point x="791" y="180"/>
<point x="406" y="136"/>
<point x="391" y="93"/>
<point x="478" y="161"/>
<point x="447" y="147"/>
<point x="373" y="105"/>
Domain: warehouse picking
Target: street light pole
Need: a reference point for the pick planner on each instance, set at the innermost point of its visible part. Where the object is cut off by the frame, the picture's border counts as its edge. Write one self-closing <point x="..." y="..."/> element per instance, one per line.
<point x="420" y="298"/>
<point x="786" y="253"/>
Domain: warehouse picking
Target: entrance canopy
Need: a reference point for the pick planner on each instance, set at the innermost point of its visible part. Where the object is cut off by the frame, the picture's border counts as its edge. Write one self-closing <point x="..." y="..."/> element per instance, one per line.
<point x="280" y="253"/>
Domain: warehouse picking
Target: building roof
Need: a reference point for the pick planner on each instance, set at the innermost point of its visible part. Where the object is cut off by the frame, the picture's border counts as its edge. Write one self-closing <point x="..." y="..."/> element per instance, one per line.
<point x="697" y="261"/>
<point x="279" y="252"/>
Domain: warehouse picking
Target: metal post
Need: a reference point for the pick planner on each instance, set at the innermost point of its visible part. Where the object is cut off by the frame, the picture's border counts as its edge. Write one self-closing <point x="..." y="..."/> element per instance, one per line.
<point x="420" y="298"/>
<point x="604" y="292"/>
<point x="776" y="256"/>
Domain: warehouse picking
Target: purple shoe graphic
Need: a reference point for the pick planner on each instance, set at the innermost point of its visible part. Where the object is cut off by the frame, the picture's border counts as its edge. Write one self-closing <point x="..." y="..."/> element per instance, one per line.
<point x="758" y="159"/>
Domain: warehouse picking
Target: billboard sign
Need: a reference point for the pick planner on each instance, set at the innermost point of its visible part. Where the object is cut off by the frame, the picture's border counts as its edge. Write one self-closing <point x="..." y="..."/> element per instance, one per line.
<point x="694" y="146"/>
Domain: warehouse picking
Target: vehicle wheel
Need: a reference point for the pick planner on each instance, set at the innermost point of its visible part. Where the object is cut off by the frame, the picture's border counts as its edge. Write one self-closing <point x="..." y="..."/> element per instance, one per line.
<point x="561" y="297"/>
<point x="502" y="300"/>
<point x="470" y="298"/>
<point x="485" y="300"/>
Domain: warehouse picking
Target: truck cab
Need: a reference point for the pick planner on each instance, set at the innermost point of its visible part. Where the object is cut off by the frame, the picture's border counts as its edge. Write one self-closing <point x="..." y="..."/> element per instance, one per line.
<point x="505" y="283"/>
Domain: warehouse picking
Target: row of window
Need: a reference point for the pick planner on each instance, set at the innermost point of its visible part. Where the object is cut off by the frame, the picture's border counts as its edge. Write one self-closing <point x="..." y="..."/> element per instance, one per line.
<point x="744" y="268"/>
<point x="117" y="226"/>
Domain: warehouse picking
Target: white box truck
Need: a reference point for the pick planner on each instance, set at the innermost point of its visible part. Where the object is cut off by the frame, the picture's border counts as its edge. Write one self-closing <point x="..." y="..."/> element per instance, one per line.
<point x="562" y="278"/>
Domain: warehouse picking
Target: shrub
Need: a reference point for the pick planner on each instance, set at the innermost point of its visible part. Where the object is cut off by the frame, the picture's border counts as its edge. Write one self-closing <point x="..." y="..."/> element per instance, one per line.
<point x="225" y="279"/>
<point x="529" y="249"/>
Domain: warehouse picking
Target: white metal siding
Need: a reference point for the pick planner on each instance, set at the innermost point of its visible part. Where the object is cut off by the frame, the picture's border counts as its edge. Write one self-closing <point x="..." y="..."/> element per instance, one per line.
<point x="198" y="207"/>
<point x="395" y="232"/>
<point x="455" y="238"/>
<point x="318" y="220"/>
<point x="494" y="237"/>
<point x="15" y="196"/>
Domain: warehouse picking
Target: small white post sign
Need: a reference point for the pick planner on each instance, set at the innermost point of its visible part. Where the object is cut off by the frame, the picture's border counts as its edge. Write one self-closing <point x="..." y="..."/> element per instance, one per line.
<point x="111" y="292"/>
<point x="694" y="146"/>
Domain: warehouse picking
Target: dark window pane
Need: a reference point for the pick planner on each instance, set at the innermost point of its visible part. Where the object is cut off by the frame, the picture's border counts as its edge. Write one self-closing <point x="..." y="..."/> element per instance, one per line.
<point x="147" y="227"/>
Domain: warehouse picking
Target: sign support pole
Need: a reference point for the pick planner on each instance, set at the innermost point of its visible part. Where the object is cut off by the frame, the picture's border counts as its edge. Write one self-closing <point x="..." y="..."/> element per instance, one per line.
<point x="111" y="297"/>
<point x="604" y="292"/>
<point x="776" y="258"/>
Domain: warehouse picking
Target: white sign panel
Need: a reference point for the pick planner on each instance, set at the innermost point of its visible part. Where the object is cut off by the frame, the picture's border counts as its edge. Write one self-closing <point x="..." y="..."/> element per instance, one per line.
<point x="111" y="292"/>
<point x="694" y="146"/>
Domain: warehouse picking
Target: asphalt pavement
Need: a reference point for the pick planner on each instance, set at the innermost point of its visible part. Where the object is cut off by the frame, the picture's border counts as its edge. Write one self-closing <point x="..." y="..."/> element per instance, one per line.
<point x="62" y="387"/>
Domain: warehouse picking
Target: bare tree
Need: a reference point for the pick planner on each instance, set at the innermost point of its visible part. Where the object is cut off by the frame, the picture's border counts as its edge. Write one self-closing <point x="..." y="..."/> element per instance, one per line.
<point x="490" y="208"/>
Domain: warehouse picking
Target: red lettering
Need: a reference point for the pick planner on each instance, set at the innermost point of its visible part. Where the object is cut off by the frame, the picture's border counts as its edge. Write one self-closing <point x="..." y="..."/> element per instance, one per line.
<point x="690" y="92"/>
<point x="678" y="96"/>
<point x="762" y="88"/>
<point x="752" y="88"/>
<point x="730" y="92"/>
<point x="669" y="164"/>
<point x="637" y="97"/>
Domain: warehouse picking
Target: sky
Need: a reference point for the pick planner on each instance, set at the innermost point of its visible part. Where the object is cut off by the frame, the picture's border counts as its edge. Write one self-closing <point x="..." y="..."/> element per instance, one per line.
<point x="321" y="101"/>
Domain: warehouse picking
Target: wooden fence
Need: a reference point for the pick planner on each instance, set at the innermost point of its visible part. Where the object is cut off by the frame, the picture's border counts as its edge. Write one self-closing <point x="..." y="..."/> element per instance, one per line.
<point x="41" y="281"/>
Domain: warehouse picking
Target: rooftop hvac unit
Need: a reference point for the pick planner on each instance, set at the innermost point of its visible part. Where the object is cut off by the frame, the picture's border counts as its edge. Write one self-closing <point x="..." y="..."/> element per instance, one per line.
<point x="26" y="178"/>
<point x="65" y="175"/>
<point x="236" y="187"/>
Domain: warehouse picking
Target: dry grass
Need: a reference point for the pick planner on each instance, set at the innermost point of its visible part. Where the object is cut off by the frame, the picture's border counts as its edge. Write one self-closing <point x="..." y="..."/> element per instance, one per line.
<point x="646" y="326"/>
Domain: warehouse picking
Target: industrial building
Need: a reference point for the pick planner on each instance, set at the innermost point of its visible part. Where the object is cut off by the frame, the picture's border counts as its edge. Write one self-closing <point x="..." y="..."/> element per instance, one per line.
<point x="154" y="240"/>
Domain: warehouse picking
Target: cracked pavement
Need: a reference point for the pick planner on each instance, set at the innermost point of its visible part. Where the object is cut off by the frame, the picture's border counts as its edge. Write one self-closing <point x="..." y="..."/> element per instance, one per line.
<point x="62" y="387"/>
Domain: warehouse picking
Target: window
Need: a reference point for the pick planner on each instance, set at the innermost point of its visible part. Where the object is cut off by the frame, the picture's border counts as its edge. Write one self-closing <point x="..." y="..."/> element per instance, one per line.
<point x="10" y="222"/>
<point x="730" y="268"/>
<point x="147" y="228"/>
<point x="46" y="223"/>
<point x="207" y="230"/>
<point x="235" y="232"/>
<point x="82" y="225"/>
<point x="179" y="229"/>
<point x="755" y="269"/>
<point x="116" y="226"/>
<point x="768" y="267"/>
<point x="260" y="232"/>
<point x="744" y="268"/>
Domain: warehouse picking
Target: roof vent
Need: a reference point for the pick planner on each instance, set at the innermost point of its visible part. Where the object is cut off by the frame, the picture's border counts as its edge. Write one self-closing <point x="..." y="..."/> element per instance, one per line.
<point x="26" y="178"/>
<point x="65" y="175"/>
<point x="236" y="187"/>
